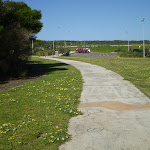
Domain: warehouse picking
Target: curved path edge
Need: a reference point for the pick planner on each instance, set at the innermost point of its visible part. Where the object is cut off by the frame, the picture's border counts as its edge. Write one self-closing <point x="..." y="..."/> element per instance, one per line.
<point x="124" y="123"/>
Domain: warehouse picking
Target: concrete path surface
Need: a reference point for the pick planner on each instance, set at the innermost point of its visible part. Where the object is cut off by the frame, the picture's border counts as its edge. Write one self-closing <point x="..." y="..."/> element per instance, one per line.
<point x="116" y="115"/>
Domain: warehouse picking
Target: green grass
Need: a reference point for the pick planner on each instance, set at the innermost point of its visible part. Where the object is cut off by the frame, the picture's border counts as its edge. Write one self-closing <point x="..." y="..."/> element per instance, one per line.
<point x="136" y="70"/>
<point x="36" y="114"/>
<point x="103" y="49"/>
<point x="109" y="49"/>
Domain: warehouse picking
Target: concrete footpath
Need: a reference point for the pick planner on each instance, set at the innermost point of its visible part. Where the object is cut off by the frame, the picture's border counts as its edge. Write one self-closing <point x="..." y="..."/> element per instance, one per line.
<point x="116" y="115"/>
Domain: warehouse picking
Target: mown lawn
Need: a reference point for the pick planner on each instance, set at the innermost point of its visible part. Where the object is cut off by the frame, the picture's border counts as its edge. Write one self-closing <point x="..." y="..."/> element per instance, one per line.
<point x="36" y="114"/>
<point x="136" y="70"/>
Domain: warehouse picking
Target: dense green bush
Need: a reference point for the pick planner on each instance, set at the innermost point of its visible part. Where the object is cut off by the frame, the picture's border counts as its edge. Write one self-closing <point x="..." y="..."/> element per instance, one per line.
<point x="123" y="53"/>
<point x="130" y="54"/>
<point x="147" y="52"/>
<point x="120" y="50"/>
<point x="64" y="51"/>
<point x="44" y="52"/>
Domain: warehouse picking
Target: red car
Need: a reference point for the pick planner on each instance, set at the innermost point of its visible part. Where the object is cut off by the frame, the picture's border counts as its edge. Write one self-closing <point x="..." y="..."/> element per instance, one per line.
<point x="83" y="50"/>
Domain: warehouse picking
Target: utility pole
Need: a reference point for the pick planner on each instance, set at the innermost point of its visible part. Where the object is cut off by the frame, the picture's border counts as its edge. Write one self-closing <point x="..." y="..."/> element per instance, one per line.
<point x="128" y="45"/>
<point x="53" y="37"/>
<point x="128" y="40"/>
<point x="65" y="40"/>
<point x="143" y="38"/>
<point x="32" y="46"/>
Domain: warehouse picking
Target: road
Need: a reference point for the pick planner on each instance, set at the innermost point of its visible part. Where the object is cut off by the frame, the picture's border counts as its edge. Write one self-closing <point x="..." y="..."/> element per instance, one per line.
<point x="94" y="54"/>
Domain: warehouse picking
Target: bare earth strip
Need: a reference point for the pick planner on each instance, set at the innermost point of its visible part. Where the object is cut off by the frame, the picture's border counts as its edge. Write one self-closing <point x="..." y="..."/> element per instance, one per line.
<point x="115" y="105"/>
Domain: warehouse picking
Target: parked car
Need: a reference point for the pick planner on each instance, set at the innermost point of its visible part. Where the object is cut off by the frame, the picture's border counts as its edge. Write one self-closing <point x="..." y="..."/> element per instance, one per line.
<point x="88" y="50"/>
<point x="83" y="50"/>
<point x="138" y="50"/>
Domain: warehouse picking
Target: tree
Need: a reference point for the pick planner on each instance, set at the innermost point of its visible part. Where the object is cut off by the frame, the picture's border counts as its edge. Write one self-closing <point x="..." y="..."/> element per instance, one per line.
<point x="17" y="24"/>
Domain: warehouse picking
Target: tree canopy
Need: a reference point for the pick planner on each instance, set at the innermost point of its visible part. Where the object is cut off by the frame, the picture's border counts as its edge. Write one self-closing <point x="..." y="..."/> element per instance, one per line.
<point x="18" y="23"/>
<point x="19" y="14"/>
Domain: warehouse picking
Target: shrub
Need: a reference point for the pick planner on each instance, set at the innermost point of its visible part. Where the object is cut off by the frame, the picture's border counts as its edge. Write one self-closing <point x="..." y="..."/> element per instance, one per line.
<point x="147" y="52"/>
<point x="64" y="51"/>
<point x="123" y="53"/>
<point x="43" y="53"/>
<point x="119" y="50"/>
<point x="130" y="54"/>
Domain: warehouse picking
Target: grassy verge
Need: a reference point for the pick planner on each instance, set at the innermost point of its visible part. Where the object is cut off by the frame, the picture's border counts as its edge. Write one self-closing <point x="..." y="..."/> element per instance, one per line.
<point x="36" y="115"/>
<point x="136" y="70"/>
<point x="109" y="49"/>
<point x="104" y="49"/>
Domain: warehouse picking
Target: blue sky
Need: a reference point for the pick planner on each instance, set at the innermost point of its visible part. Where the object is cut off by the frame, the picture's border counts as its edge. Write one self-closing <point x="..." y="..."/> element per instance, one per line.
<point x="93" y="19"/>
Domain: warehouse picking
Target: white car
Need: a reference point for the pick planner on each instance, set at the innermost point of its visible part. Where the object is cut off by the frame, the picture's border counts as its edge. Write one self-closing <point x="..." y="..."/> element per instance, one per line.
<point x="88" y="50"/>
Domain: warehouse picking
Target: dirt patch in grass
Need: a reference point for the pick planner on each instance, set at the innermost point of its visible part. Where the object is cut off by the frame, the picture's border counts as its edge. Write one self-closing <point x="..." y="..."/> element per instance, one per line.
<point x="35" y="70"/>
<point x="115" y="105"/>
<point x="14" y="82"/>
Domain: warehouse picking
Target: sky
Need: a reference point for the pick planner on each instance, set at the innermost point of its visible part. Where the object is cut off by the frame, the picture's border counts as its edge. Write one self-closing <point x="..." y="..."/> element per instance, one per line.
<point x="93" y="19"/>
